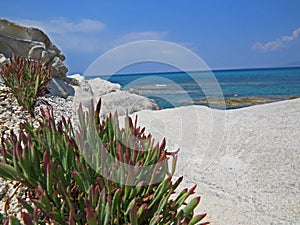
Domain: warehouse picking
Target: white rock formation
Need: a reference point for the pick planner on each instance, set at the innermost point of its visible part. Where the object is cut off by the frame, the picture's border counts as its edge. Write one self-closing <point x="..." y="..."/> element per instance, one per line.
<point x="60" y="88"/>
<point x="254" y="177"/>
<point x="113" y="98"/>
<point x="31" y="43"/>
<point x="35" y="44"/>
<point x="122" y="102"/>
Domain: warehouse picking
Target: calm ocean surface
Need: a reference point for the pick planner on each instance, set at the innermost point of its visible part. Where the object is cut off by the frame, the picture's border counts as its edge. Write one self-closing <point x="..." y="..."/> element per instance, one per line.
<point x="179" y="89"/>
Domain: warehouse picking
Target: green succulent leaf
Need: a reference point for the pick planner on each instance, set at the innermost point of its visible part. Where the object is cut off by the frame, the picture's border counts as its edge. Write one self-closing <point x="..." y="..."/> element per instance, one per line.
<point x="8" y="172"/>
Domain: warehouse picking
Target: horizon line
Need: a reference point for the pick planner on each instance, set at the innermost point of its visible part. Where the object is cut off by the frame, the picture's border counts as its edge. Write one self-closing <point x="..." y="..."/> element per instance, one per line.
<point x="195" y="71"/>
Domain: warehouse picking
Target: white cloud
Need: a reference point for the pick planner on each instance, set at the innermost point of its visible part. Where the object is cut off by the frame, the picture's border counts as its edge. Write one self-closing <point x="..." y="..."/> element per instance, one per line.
<point x="80" y="44"/>
<point x="63" y="25"/>
<point x="79" y="36"/>
<point x="86" y="35"/>
<point x="146" y="51"/>
<point x="138" y="36"/>
<point x="277" y="44"/>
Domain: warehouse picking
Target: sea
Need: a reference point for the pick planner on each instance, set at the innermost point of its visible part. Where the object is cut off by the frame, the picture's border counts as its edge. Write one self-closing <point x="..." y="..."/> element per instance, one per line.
<point x="174" y="89"/>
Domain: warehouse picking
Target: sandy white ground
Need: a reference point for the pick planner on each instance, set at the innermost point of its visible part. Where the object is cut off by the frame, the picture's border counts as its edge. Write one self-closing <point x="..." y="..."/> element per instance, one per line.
<point x="246" y="162"/>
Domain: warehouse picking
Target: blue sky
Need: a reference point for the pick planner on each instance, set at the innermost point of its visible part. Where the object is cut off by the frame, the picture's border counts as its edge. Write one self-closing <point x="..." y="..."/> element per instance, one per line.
<point x="225" y="34"/>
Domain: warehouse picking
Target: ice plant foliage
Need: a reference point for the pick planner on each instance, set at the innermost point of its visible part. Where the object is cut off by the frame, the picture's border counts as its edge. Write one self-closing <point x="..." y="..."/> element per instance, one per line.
<point x="67" y="183"/>
<point x="26" y="79"/>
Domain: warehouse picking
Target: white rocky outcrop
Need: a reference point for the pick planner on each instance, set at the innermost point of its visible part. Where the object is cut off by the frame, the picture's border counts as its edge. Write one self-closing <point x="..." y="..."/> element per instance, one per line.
<point x="254" y="176"/>
<point x="113" y="98"/>
<point x="31" y="43"/>
<point x="123" y="102"/>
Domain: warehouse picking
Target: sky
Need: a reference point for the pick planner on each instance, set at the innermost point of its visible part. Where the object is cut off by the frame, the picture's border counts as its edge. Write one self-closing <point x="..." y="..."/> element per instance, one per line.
<point x="225" y="34"/>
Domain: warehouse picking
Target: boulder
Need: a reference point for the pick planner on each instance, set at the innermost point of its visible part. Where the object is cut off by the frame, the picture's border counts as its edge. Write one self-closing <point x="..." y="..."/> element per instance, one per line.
<point x="31" y="43"/>
<point x="123" y="102"/>
<point x="94" y="87"/>
<point x="60" y="88"/>
<point x="82" y="84"/>
<point x="113" y="98"/>
<point x="101" y="87"/>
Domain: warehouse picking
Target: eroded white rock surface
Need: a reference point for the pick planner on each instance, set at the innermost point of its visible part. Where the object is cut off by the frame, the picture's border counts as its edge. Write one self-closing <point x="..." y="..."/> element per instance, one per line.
<point x="31" y="43"/>
<point x="254" y="176"/>
<point x="113" y="98"/>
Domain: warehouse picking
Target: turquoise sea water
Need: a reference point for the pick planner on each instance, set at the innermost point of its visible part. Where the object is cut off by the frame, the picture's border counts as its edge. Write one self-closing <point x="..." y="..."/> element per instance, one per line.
<point x="180" y="88"/>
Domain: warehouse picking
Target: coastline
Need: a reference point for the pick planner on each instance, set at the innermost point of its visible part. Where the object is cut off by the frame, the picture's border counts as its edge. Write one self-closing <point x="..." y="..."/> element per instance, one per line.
<point x="253" y="177"/>
<point x="245" y="161"/>
<point x="194" y="71"/>
<point x="240" y="88"/>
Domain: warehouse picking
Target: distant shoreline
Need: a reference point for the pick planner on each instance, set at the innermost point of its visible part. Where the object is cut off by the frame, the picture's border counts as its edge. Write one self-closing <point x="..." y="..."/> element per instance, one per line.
<point x="239" y="88"/>
<point x="214" y="70"/>
<point x="239" y="102"/>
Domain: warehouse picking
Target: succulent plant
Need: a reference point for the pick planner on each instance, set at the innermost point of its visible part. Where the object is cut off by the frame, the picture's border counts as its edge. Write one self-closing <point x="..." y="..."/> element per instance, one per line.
<point x="95" y="174"/>
<point x="26" y="79"/>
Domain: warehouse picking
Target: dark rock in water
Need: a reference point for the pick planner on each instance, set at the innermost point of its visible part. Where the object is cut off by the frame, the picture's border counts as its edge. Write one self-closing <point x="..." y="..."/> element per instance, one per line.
<point x="232" y="103"/>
